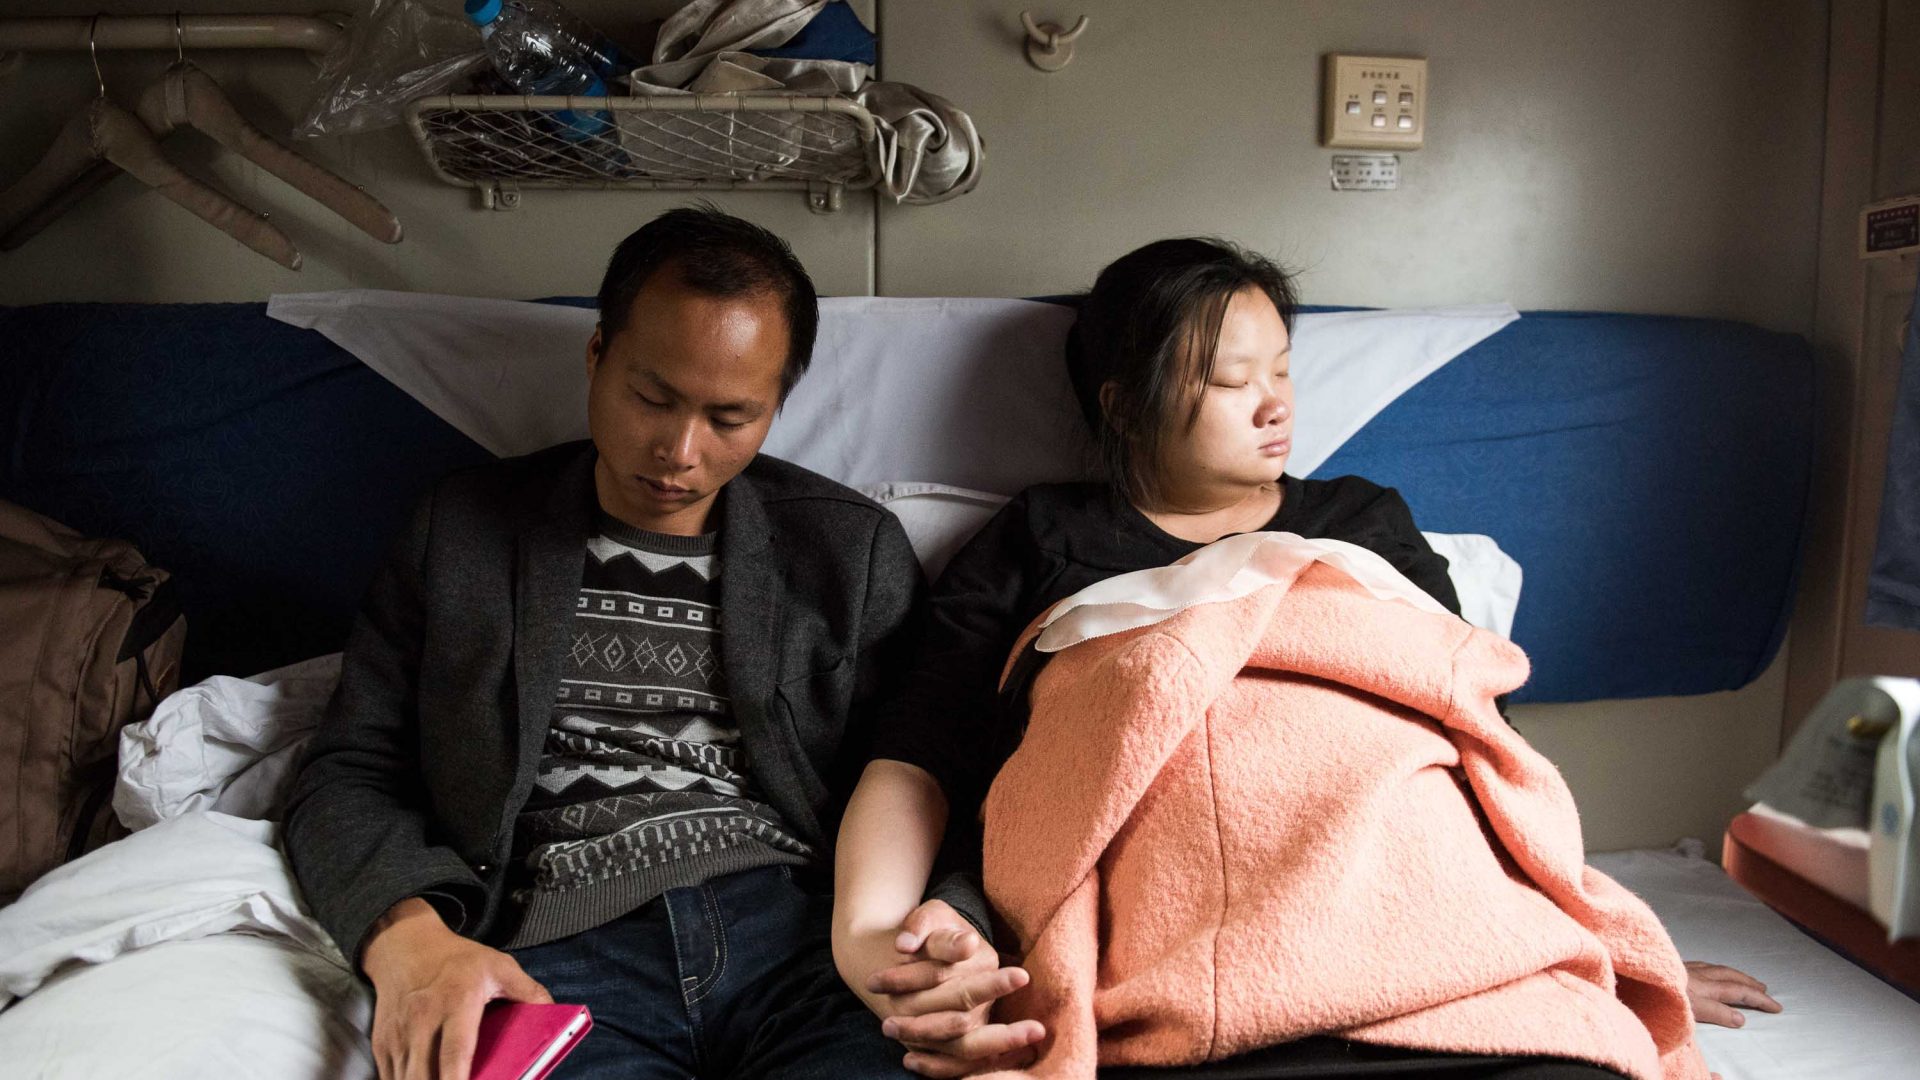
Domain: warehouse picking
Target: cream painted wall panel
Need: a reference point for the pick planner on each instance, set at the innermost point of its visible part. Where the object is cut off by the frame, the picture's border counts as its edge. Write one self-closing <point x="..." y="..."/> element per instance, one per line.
<point x="1628" y="156"/>
<point x="126" y="243"/>
<point x="1645" y="773"/>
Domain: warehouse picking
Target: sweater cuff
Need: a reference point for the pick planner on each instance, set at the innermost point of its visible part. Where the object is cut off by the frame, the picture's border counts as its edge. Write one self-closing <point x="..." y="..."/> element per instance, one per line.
<point x="962" y="893"/>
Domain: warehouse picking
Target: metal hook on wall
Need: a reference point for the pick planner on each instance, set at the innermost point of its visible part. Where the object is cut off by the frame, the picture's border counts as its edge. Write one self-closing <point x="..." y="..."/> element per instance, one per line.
<point x="1050" y="48"/>
<point x="179" y="40"/>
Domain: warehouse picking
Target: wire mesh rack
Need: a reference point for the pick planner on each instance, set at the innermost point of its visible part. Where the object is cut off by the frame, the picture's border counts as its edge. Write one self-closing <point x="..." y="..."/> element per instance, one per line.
<point x="499" y="144"/>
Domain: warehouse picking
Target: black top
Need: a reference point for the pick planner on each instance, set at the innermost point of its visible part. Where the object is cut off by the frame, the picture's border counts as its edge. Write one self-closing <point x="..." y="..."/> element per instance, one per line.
<point x="1050" y="542"/>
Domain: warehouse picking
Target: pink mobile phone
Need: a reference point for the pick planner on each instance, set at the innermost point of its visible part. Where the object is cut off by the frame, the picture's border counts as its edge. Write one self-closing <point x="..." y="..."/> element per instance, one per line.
<point x="524" y="1042"/>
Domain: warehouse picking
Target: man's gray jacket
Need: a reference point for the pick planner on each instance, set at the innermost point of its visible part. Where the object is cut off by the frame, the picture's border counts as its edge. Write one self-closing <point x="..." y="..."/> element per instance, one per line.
<point x="429" y="748"/>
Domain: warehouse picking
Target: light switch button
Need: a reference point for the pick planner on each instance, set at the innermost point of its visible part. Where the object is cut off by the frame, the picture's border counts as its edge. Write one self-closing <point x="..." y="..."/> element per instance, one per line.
<point x="1379" y="97"/>
<point x="1379" y="120"/>
<point x="1406" y="99"/>
<point x="1406" y="123"/>
<point x="1353" y="108"/>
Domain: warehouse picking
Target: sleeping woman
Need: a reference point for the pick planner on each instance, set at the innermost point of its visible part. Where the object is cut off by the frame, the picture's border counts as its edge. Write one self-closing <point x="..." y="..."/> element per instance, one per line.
<point x="1180" y="360"/>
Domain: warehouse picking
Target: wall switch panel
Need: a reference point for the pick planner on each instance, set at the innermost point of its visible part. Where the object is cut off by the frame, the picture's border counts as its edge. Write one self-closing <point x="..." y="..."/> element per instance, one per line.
<point x="1375" y="102"/>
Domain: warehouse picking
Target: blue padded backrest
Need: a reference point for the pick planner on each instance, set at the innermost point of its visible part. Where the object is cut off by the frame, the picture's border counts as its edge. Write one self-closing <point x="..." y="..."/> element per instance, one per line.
<point x="263" y="466"/>
<point x="1649" y="474"/>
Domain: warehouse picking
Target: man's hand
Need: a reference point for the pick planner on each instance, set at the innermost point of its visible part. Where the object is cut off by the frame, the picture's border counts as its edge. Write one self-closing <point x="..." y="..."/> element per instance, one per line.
<point x="941" y="993"/>
<point x="430" y="987"/>
<point x="1714" y="989"/>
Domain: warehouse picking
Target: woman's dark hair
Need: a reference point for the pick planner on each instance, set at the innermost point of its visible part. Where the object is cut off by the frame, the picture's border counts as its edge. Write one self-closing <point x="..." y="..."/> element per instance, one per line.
<point x="1150" y="327"/>
<point x="720" y="255"/>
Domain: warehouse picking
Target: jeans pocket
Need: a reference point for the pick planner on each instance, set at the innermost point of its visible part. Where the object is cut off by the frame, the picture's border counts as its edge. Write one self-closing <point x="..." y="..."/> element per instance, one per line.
<point x="700" y="942"/>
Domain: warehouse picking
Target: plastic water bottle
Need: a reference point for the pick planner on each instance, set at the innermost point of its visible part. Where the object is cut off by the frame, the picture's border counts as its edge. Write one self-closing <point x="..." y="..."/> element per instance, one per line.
<point x="541" y="48"/>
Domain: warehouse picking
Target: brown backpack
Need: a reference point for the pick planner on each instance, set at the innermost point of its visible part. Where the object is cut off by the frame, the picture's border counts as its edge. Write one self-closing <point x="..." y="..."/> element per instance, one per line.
<point x="90" y="639"/>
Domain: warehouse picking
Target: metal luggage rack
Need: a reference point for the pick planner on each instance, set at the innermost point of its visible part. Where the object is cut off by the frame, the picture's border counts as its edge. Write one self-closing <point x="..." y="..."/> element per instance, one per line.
<point x="500" y="144"/>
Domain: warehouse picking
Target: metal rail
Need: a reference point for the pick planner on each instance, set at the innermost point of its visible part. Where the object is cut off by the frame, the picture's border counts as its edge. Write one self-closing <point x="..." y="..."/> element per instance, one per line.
<point x="72" y="33"/>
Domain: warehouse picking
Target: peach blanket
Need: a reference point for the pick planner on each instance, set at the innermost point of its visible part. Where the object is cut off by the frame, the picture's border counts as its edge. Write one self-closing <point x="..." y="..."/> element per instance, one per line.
<point x="1298" y="812"/>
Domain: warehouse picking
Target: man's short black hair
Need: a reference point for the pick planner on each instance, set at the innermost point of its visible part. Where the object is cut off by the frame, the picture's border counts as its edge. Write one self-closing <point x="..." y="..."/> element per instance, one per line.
<point x="720" y="255"/>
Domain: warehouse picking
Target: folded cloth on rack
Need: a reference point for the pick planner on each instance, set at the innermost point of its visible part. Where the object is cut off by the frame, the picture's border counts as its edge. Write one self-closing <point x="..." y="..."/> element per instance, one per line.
<point x="929" y="150"/>
<point x="703" y="29"/>
<point x="746" y="73"/>
<point x="926" y="149"/>
<point x="1297" y="812"/>
<point x="750" y="145"/>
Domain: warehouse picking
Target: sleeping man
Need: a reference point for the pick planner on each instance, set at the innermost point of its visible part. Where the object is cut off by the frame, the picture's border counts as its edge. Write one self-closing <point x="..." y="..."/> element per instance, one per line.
<point x="604" y="704"/>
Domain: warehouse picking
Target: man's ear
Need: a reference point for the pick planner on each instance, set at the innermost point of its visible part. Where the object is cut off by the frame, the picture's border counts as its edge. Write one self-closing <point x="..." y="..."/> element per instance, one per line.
<point x="595" y="349"/>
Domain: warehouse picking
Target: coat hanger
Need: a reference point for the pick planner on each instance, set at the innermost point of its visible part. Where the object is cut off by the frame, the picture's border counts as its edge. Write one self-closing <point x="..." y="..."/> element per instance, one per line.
<point x="186" y="96"/>
<point x="105" y="132"/>
<point x="100" y="142"/>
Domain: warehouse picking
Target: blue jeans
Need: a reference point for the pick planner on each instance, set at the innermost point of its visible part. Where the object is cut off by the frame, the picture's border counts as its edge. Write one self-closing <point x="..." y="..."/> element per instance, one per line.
<point x="730" y="979"/>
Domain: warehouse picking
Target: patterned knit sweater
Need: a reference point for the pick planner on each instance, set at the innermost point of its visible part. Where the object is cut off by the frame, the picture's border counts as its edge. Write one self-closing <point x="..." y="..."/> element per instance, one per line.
<point x="643" y="784"/>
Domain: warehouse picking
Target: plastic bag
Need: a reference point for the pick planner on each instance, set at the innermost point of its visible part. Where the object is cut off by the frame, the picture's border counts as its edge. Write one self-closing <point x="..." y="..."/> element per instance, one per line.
<point x="395" y="52"/>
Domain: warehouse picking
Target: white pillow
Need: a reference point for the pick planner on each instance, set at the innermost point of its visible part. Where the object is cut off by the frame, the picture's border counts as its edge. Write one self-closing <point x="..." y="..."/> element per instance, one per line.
<point x="968" y="392"/>
<point x="939" y="519"/>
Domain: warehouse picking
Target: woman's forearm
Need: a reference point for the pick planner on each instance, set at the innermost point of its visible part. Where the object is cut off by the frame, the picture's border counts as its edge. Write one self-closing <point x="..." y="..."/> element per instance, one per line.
<point x="888" y="840"/>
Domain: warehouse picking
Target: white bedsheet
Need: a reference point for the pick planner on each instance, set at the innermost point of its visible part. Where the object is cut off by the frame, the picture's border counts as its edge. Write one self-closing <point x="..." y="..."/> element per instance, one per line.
<point x="1840" y="1022"/>
<point x="964" y="391"/>
<point x="181" y="952"/>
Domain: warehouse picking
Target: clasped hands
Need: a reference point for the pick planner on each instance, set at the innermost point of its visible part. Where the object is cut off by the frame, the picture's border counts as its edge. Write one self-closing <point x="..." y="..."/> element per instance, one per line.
<point x="937" y="996"/>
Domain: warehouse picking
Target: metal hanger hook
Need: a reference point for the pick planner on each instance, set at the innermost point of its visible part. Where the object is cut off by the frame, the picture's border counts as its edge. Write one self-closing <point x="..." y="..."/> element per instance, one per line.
<point x="179" y="40"/>
<point x="1050" y="48"/>
<point x="1049" y="36"/>
<point x="93" y="50"/>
